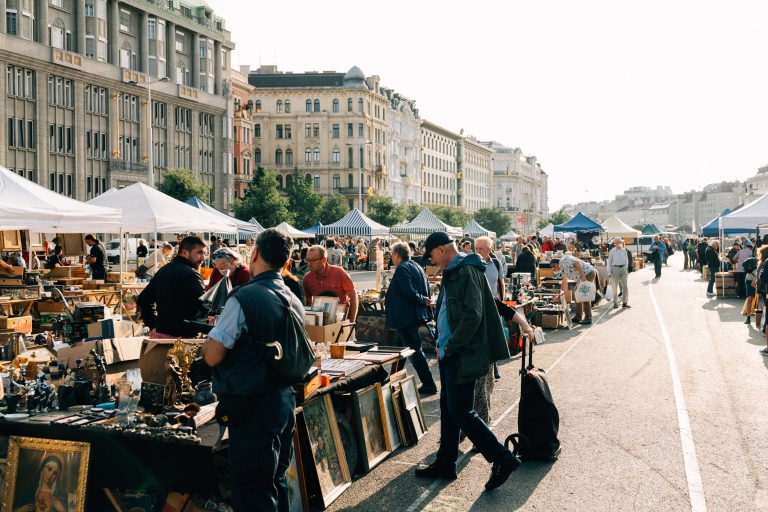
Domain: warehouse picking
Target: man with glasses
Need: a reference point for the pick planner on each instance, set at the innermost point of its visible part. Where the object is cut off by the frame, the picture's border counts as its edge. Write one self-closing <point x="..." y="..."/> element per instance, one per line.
<point x="324" y="277"/>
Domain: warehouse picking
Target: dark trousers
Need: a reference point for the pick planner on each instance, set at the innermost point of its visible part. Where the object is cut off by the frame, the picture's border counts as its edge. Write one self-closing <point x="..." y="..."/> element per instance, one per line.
<point x="657" y="265"/>
<point x="457" y="414"/>
<point x="686" y="260"/>
<point x="260" y="452"/>
<point x="741" y="290"/>
<point x="410" y="337"/>
<point x="711" y="285"/>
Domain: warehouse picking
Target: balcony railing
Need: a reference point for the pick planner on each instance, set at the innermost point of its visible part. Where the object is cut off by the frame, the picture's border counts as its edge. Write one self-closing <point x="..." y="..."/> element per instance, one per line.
<point x="116" y="164"/>
<point x="351" y="190"/>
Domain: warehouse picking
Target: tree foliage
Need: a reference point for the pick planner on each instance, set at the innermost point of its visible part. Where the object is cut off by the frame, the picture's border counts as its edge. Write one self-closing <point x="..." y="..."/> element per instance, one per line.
<point x="302" y="201"/>
<point x="412" y="211"/>
<point x="451" y="215"/>
<point x="386" y="212"/>
<point x="334" y="208"/>
<point x="559" y="217"/>
<point x="494" y="219"/>
<point x="182" y="184"/>
<point x="262" y="200"/>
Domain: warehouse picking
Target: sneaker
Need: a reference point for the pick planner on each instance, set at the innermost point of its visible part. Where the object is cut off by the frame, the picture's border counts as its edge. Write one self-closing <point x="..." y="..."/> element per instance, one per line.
<point x="748" y="321"/>
<point x="424" y="390"/>
<point x="435" y="471"/>
<point x="586" y="321"/>
<point x="576" y="320"/>
<point x="626" y="306"/>
<point x="764" y="352"/>
<point x="615" y="306"/>
<point x="501" y="471"/>
<point x="710" y="294"/>
<point x="496" y="374"/>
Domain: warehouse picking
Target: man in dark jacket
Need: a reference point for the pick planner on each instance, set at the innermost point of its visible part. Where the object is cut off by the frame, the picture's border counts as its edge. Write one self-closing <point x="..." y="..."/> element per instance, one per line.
<point x="701" y="251"/>
<point x="713" y="262"/>
<point x="260" y="413"/>
<point x="173" y="295"/>
<point x="469" y="338"/>
<point x="408" y="308"/>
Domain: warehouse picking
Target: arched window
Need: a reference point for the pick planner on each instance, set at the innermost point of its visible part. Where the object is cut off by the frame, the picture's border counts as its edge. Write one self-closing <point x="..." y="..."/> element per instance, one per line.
<point x="279" y="181"/>
<point x="336" y="181"/>
<point x="317" y="105"/>
<point x="288" y="156"/>
<point x="258" y="105"/>
<point x="125" y="49"/>
<point x="257" y="156"/>
<point x="317" y="154"/>
<point x="57" y="38"/>
<point x="279" y="106"/>
<point x="335" y="105"/>
<point x="308" y="178"/>
<point x="309" y="105"/>
<point x="181" y="73"/>
<point x="289" y="181"/>
<point x="349" y="105"/>
<point x="336" y="156"/>
<point x="307" y="156"/>
<point x="360" y="105"/>
<point x="317" y="181"/>
<point x="350" y="156"/>
<point x="287" y="106"/>
<point x="279" y="157"/>
<point x="350" y="180"/>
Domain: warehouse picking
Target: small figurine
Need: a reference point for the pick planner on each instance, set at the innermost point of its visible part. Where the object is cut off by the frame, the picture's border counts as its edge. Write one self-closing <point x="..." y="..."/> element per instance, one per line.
<point x="187" y="418"/>
<point x="101" y="368"/>
<point x="173" y="381"/>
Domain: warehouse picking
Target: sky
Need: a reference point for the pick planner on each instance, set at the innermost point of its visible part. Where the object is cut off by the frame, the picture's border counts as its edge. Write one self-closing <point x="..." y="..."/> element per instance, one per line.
<point x="606" y="94"/>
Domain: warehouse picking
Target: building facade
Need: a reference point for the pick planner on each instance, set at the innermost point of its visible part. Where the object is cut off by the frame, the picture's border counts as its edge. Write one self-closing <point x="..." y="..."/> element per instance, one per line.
<point x="77" y="78"/>
<point x="474" y="174"/>
<point x="403" y="148"/>
<point x="243" y="134"/>
<point x="330" y="126"/>
<point x="439" y="162"/>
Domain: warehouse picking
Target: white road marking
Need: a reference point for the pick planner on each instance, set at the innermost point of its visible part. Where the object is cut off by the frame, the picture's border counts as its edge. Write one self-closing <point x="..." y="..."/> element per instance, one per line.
<point x="692" y="474"/>
<point x="415" y="505"/>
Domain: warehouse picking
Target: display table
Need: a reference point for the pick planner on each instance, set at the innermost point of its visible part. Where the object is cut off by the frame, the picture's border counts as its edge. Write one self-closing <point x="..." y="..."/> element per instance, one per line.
<point x="16" y="307"/>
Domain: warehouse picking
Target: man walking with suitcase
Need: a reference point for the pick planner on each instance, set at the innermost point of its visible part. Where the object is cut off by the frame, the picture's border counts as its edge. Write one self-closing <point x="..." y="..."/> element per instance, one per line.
<point x="469" y="338"/>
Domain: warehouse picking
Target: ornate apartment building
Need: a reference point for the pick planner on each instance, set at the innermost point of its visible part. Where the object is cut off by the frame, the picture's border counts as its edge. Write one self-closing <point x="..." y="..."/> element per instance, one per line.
<point x="519" y="186"/>
<point x="76" y="93"/>
<point x="474" y="173"/>
<point x="404" y="148"/>
<point x="440" y="149"/>
<point x="331" y="126"/>
<point x="243" y="132"/>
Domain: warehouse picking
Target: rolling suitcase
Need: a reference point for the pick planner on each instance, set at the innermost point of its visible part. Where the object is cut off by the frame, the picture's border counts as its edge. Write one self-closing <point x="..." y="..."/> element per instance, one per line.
<point x="538" y="421"/>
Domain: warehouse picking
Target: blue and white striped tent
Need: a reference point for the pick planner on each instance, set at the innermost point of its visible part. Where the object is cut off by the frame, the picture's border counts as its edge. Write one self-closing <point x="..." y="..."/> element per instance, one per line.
<point x="476" y="230"/>
<point x="245" y="230"/>
<point x="355" y="223"/>
<point x="425" y="223"/>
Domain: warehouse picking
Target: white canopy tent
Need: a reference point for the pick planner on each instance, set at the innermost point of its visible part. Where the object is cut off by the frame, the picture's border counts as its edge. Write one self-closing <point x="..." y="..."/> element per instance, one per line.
<point x="615" y="227"/>
<point x="146" y="210"/>
<point x="425" y="223"/>
<point x="548" y="230"/>
<point x="745" y="220"/>
<point x="511" y="235"/>
<point x="355" y="223"/>
<point x="292" y="231"/>
<point x="24" y="205"/>
<point x="476" y="230"/>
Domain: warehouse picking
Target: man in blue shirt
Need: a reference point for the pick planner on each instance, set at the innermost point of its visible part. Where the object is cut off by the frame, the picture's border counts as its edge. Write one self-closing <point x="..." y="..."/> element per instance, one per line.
<point x="658" y="249"/>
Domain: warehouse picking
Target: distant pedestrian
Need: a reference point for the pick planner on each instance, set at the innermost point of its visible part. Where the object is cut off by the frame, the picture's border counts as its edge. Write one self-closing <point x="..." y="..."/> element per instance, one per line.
<point x="712" y="260"/>
<point x="701" y="254"/>
<point x="761" y="285"/>
<point x="617" y="265"/>
<point x="579" y="271"/>
<point x="690" y="249"/>
<point x="658" y="250"/>
<point x="739" y="258"/>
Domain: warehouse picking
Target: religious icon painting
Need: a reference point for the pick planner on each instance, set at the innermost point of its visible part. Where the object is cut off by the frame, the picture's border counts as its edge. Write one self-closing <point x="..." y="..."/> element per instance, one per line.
<point x="371" y="421"/>
<point x="46" y="474"/>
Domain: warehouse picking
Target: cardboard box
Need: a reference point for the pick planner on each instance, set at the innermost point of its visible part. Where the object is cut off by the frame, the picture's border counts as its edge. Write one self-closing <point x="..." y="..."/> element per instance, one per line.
<point x="128" y="277"/>
<point x="21" y="324"/>
<point x="550" y="321"/>
<point x="111" y="328"/>
<point x="546" y="273"/>
<point x="152" y="359"/>
<point x="122" y="349"/>
<point x="68" y="356"/>
<point x="13" y="280"/>
<point x="325" y="333"/>
<point x="432" y="270"/>
<point x="50" y="306"/>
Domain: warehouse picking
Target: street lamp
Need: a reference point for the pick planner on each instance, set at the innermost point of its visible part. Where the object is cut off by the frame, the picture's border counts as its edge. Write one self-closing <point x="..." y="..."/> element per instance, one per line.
<point x="150" y="149"/>
<point x="360" y="183"/>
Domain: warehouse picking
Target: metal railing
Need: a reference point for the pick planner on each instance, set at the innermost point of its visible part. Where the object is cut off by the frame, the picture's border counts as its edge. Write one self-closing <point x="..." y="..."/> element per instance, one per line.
<point x="116" y="164"/>
<point x="352" y="190"/>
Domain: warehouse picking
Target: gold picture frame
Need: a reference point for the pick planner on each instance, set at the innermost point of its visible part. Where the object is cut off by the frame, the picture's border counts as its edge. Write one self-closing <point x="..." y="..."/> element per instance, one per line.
<point x="73" y="244"/>
<point x="30" y="459"/>
<point x="372" y="428"/>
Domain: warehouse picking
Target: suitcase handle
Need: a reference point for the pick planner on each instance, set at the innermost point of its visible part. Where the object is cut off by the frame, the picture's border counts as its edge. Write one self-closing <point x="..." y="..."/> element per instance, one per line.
<point x="526" y="343"/>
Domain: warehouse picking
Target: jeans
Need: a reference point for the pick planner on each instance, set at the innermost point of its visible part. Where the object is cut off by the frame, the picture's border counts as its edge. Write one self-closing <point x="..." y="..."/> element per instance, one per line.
<point x="410" y="337"/>
<point x="711" y="285"/>
<point x="657" y="265"/>
<point x="260" y="452"/>
<point x="457" y="414"/>
<point x="686" y="260"/>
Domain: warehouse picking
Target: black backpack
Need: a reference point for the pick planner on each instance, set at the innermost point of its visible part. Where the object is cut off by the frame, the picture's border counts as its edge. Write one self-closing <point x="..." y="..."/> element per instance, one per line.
<point x="629" y="261"/>
<point x="749" y="264"/>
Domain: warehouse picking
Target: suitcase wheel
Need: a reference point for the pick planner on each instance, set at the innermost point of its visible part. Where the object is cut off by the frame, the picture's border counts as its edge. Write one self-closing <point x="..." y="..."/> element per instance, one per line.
<point x="520" y="444"/>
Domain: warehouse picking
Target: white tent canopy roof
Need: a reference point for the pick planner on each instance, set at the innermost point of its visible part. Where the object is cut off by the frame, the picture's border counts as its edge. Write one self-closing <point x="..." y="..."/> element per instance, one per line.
<point x="292" y="231"/>
<point x="146" y="210"/>
<point x="616" y="227"/>
<point x="548" y="230"/>
<point x="425" y="223"/>
<point x="354" y="223"/>
<point x="476" y="230"/>
<point x="511" y="235"/>
<point x="747" y="218"/>
<point x="26" y="205"/>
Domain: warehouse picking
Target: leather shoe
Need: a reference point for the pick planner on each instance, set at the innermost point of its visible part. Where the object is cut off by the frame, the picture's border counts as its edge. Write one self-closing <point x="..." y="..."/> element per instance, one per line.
<point x="423" y="390"/>
<point x="501" y="471"/>
<point x="435" y="471"/>
<point x="576" y="320"/>
<point x="586" y="321"/>
<point x="626" y="306"/>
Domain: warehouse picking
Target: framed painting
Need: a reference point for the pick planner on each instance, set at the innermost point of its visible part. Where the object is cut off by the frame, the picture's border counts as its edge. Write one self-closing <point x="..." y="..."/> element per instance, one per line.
<point x="389" y="411"/>
<point x="412" y="404"/>
<point x="297" y="491"/>
<point x="371" y="422"/>
<point x="46" y="474"/>
<point x="328" y="459"/>
<point x="73" y="244"/>
<point x="400" y="417"/>
<point x="35" y="241"/>
<point x="10" y="241"/>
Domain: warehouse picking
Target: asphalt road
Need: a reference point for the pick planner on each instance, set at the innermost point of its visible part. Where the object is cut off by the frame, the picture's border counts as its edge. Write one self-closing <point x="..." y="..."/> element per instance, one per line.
<point x="629" y="443"/>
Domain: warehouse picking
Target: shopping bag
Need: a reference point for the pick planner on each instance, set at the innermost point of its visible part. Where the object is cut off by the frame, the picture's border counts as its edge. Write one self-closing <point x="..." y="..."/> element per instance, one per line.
<point x="609" y="293"/>
<point x="585" y="291"/>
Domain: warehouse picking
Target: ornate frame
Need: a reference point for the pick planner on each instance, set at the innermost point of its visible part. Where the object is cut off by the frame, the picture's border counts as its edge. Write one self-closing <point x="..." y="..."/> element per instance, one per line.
<point x="369" y="464"/>
<point x="18" y="443"/>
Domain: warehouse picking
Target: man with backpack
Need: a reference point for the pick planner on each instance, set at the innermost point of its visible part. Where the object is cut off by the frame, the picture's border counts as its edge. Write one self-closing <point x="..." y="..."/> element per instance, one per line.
<point x="258" y="411"/>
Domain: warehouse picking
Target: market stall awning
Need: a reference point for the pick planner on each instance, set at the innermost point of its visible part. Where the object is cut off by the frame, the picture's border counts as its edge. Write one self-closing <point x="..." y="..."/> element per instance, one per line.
<point x="510" y="235"/>
<point x="292" y="231"/>
<point x="26" y="205"/>
<point x="476" y="230"/>
<point x="746" y="220"/>
<point x="244" y="229"/>
<point x="355" y="223"/>
<point x="616" y="227"/>
<point x="579" y="223"/>
<point x="423" y="224"/>
<point x="652" y="229"/>
<point x="712" y="227"/>
<point x="548" y="230"/>
<point x="147" y="210"/>
<point x="313" y="229"/>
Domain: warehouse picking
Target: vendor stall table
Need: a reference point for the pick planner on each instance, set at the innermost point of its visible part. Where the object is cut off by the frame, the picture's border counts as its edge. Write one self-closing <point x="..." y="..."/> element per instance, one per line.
<point x="16" y="307"/>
